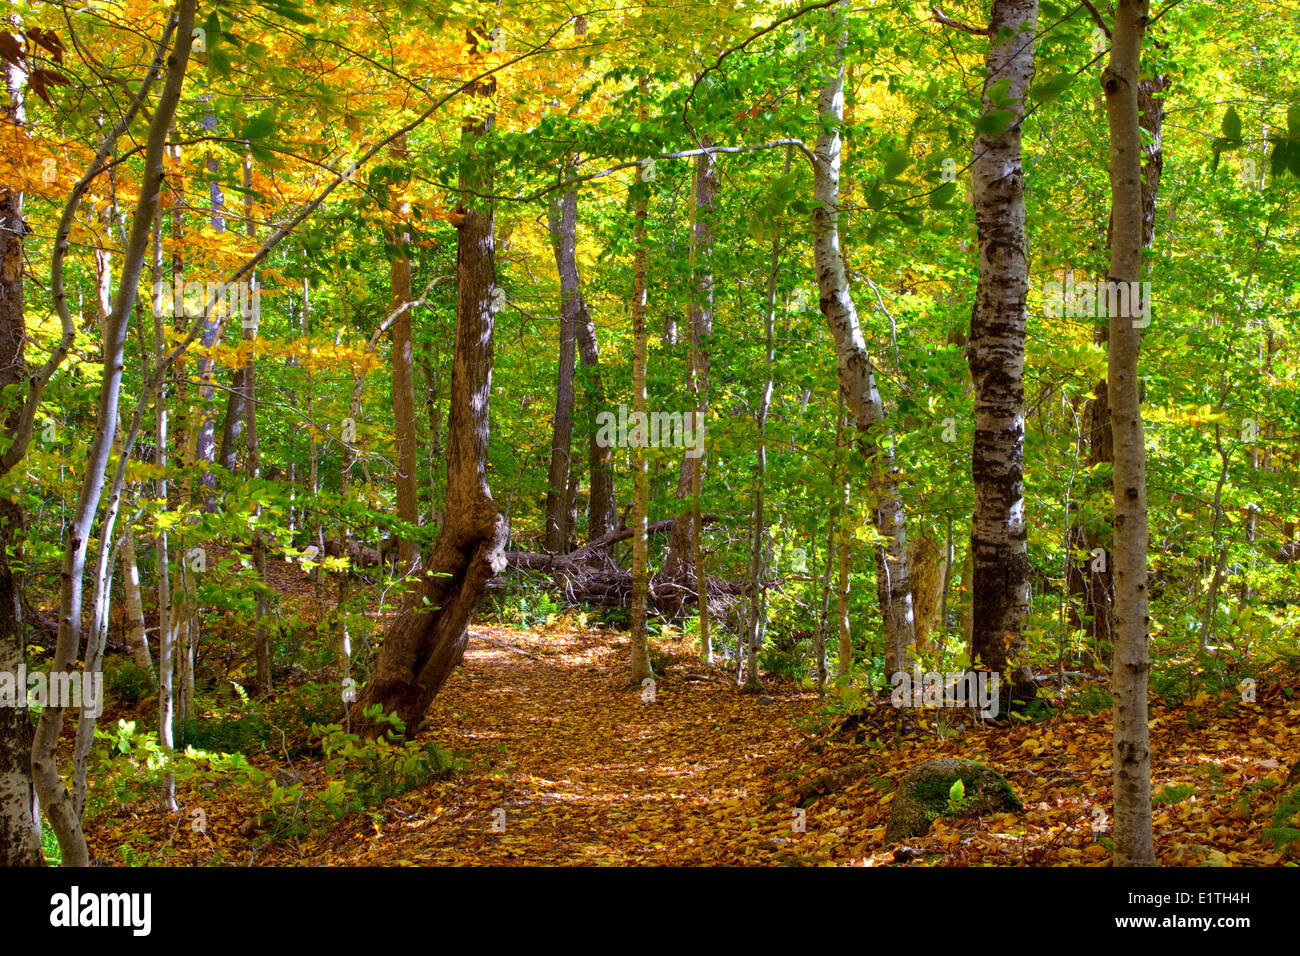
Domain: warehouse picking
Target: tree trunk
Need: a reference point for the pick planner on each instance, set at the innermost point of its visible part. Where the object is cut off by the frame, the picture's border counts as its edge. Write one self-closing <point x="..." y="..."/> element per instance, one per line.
<point x="684" y="543"/>
<point x="408" y="507"/>
<point x="137" y="641"/>
<point x="1131" y="755"/>
<point x="252" y="464"/>
<point x="313" y="452"/>
<point x="602" y="515"/>
<point x="756" y="604"/>
<point x="205" y="440"/>
<point x="54" y="795"/>
<point x="557" y="497"/>
<point x="929" y="572"/>
<point x="20" y="829"/>
<point x="1096" y="586"/>
<point x="186" y="435"/>
<point x="996" y="353"/>
<point x="640" y="651"/>
<point x="233" y="428"/>
<point x="842" y="622"/>
<point x="162" y="557"/>
<point x="832" y="551"/>
<point x="428" y="639"/>
<point x="857" y="374"/>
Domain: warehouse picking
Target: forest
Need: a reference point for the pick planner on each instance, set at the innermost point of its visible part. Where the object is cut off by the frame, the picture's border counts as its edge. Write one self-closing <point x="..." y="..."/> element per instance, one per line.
<point x="532" y="433"/>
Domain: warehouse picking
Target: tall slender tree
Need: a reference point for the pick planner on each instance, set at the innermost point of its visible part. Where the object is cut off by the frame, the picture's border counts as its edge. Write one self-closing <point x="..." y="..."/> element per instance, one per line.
<point x="640" y="641"/>
<point x="20" y="830"/>
<point x="1131" y="756"/>
<point x="557" y="485"/>
<point x="408" y="508"/>
<point x="54" y="797"/>
<point x="857" y="373"/>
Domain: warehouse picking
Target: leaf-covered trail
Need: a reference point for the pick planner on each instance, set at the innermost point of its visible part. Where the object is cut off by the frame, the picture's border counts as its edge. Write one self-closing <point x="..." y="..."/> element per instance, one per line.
<point x="572" y="766"/>
<point x="569" y="765"/>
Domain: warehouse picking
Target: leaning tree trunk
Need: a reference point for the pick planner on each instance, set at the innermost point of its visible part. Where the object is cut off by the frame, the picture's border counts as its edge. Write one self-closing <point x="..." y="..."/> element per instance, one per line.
<point x="20" y="829"/>
<point x="1131" y="754"/>
<point x="996" y="353"/>
<point x="428" y="639"/>
<point x="857" y="374"/>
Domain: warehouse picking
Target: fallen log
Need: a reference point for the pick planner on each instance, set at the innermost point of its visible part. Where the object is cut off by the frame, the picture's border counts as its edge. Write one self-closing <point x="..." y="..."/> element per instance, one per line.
<point x="588" y="575"/>
<point x="536" y="561"/>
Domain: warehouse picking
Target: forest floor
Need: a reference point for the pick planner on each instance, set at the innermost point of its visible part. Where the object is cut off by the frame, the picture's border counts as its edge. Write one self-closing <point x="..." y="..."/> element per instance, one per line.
<point x="571" y="766"/>
<point x="565" y="763"/>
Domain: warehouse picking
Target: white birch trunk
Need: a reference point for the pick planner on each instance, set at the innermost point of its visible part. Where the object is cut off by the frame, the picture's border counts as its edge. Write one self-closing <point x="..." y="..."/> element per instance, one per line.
<point x="857" y="373"/>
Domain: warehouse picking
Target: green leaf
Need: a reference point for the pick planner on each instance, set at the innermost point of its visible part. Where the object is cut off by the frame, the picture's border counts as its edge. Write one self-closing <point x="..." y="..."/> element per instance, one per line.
<point x="943" y="196"/>
<point x="896" y="162"/>
<point x="994" y="123"/>
<point x="218" y="64"/>
<point x="957" y="792"/>
<point x="1232" y="124"/>
<point x="1046" y="92"/>
<point x="997" y="91"/>
<point x="1280" y="161"/>
<point x="259" y="127"/>
<point x="212" y="29"/>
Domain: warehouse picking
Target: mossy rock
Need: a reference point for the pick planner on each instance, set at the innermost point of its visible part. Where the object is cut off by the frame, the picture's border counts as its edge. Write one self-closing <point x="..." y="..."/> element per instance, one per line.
<point x="923" y="792"/>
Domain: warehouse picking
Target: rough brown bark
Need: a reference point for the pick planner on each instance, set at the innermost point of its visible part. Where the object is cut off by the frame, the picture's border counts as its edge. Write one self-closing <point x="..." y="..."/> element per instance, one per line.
<point x="137" y="641"/>
<point x="428" y="639"/>
<point x="232" y="429"/>
<point x="20" y="829"/>
<point x="602" y="516"/>
<point x="557" y="490"/>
